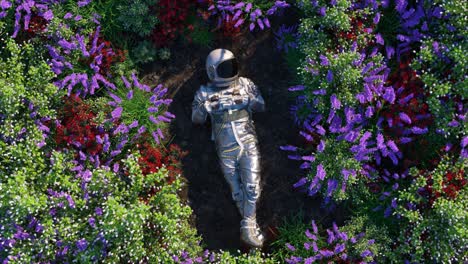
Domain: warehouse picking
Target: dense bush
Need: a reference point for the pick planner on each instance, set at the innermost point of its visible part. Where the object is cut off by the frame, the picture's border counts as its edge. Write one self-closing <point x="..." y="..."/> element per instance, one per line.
<point x="381" y="106"/>
<point x="53" y="208"/>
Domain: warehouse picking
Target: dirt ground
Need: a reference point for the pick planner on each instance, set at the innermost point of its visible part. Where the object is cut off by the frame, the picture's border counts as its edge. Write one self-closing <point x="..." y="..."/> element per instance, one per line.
<point x="215" y="214"/>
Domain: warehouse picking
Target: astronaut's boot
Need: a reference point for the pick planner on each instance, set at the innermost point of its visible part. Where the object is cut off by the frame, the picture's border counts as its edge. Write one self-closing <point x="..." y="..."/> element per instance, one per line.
<point x="250" y="233"/>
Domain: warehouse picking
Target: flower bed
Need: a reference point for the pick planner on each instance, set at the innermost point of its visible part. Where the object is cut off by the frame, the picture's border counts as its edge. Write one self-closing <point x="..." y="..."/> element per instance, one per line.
<point x="88" y="174"/>
<point x="383" y="113"/>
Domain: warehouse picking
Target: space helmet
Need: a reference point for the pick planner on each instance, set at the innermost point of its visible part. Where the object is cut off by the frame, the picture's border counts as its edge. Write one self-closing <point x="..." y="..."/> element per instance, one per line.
<point x="221" y="67"/>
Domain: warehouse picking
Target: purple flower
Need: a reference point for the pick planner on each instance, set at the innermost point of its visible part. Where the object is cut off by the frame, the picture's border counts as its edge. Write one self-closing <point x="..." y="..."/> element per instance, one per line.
<point x="5" y="4"/>
<point x="331" y="236"/>
<point x="98" y="211"/>
<point x="301" y="182"/>
<point x="329" y="76"/>
<point x="391" y="144"/>
<point x="239" y="22"/>
<point x="326" y="253"/>
<point x="323" y="11"/>
<point x="314" y="227"/>
<point x="419" y="131"/>
<point x="117" y="113"/>
<point x="376" y="18"/>
<point x="366" y="253"/>
<point x="390" y="51"/>
<point x="324" y="60"/>
<point x="288" y="148"/>
<point x="321" y="146"/>
<point x="389" y="95"/>
<point x="290" y="247"/>
<point x="339" y="248"/>
<point x="332" y="184"/>
<point x="83" y="3"/>
<point x="130" y="94"/>
<point x="48" y="15"/>
<point x="321" y="173"/>
<point x="405" y="118"/>
<point x="464" y="142"/>
<point x="405" y="140"/>
<point x="82" y="244"/>
<point x="309" y="235"/>
<point x="92" y="222"/>
<point x="379" y="39"/>
<point x="87" y="175"/>
<point x="252" y="26"/>
<point x="335" y="102"/>
<point x="314" y="246"/>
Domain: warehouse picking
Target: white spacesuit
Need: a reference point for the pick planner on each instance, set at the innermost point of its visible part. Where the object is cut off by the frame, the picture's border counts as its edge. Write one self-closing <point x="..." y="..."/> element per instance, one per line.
<point x="230" y="101"/>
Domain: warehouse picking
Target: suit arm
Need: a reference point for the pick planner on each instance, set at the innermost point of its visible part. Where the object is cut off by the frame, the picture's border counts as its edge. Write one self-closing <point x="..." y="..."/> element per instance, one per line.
<point x="256" y="104"/>
<point x="199" y="112"/>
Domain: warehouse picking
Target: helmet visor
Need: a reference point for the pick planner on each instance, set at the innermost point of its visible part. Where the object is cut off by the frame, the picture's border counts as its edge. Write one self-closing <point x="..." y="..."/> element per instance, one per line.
<point x="227" y="69"/>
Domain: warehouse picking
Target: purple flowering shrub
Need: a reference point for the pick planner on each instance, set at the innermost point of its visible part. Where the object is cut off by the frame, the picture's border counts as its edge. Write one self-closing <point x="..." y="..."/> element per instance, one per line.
<point x="139" y="109"/>
<point x="372" y="125"/>
<point x="60" y="204"/>
<point x="221" y="256"/>
<point x="355" y="242"/>
<point x="441" y="65"/>
<point x="252" y="13"/>
<point x="344" y="86"/>
<point x="286" y="38"/>
<point x="433" y="214"/>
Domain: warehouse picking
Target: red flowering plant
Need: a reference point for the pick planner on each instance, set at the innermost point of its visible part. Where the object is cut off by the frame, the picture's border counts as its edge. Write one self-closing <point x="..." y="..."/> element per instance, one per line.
<point x="76" y="127"/>
<point x="432" y="212"/>
<point x="173" y="17"/>
<point x="153" y="158"/>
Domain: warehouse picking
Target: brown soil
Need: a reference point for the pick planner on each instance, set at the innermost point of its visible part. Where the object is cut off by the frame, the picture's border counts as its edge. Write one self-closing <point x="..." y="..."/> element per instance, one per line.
<point x="215" y="215"/>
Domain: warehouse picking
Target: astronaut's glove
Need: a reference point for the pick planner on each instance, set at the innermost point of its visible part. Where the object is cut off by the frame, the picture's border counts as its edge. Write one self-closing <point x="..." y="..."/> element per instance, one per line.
<point x="215" y="103"/>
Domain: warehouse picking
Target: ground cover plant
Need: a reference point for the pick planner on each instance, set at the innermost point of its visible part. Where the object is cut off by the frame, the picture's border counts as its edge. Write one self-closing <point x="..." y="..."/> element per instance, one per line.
<point x="88" y="171"/>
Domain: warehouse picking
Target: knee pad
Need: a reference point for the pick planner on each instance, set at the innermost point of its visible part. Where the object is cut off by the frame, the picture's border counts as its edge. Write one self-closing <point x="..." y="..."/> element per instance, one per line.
<point x="238" y="195"/>
<point x="252" y="191"/>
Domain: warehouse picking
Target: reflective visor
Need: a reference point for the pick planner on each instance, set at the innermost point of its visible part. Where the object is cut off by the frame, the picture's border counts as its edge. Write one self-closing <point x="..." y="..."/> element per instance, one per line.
<point x="227" y="69"/>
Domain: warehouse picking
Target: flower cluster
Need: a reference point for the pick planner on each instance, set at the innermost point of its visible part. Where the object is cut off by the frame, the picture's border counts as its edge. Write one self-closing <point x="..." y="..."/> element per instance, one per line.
<point x="140" y="109"/>
<point x="173" y="20"/>
<point x="369" y="120"/>
<point x="235" y="14"/>
<point x="337" y="246"/>
<point x="103" y="58"/>
<point x="78" y="128"/>
<point x="286" y="38"/>
<point x="82" y="83"/>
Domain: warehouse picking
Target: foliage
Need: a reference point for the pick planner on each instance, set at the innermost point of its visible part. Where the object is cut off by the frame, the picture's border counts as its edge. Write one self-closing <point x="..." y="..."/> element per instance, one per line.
<point x="173" y="17"/>
<point x="382" y="112"/>
<point x="433" y="213"/>
<point x="52" y="211"/>
<point x="164" y="54"/>
<point x="145" y="52"/>
<point x="233" y="14"/>
<point x="201" y="35"/>
<point x="224" y="257"/>
<point x="137" y="16"/>
<point x="140" y="109"/>
<point x="357" y="241"/>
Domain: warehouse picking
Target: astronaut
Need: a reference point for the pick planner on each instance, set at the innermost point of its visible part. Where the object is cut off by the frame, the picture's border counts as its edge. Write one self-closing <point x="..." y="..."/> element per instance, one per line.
<point x="229" y="100"/>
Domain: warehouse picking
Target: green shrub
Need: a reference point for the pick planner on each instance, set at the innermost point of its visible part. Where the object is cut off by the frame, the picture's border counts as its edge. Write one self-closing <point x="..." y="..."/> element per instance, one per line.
<point x="144" y="52"/>
<point x="49" y="212"/>
<point x="135" y="16"/>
